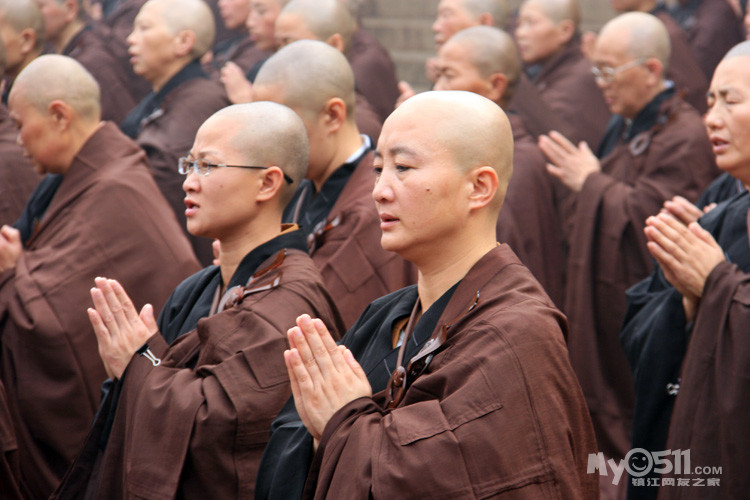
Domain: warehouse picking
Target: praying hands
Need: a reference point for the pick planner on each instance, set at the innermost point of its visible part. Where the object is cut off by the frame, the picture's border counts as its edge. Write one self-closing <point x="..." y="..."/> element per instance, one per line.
<point x="119" y="329"/>
<point x="324" y="376"/>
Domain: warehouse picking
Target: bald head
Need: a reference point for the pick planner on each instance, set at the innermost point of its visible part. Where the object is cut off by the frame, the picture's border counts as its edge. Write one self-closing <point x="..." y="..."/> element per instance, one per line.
<point x="326" y="71"/>
<point x="72" y="85"/>
<point x="474" y="130"/>
<point x="559" y="10"/>
<point x="266" y="134"/>
<point x="740" y="50"/>
<point x="323" y="18"/>
<point x="498" y="9"/>
<point x="643" y="36"/>
<point x="21" y="15"/>
<point x="189" y="15"/>
<point x="490" y="50"/>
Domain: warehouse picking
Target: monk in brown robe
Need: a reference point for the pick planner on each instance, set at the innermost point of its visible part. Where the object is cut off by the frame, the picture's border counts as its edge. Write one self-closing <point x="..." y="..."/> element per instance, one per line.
<point x="182" y="97"/>
<point x="17" y="177"/>
<point x="204" y="404"/>
<point x="70" y="34"/>
<point x="683" y="67"/>
<point x="485" y="60"/>
<point x="333" y="205"/>
<point x="10" y="476"/>
<point x="482" y="401"/>
<point x="548" y="39"/>
<point x="97" y="212"/>
<point x="22" y="31"/>
<point x="239" y="49"/>
<point x="685" y="324"/>
<point x="654" y="149"/>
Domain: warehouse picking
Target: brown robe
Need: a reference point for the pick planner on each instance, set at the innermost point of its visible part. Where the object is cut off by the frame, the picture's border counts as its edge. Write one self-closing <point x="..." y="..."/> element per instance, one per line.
<point x="242" y="52"/>
<point x="497" y="413"/>
<point x="195" y="427"/>
<point x="529" y="221"/>
<point x="106" y="219"/>
<point x="374" y="72"/>
<point x="355" y="268"/>
<point x="92" y="48"/>
<point x="367" y="119"/>
<point x="566" y="84"/>
<point x="17" y="176"/>
<point x="712" y="409"/>
<point x="538" y="118"/>
<point x="683" y="68"/>
<point x="10" y="475"/>
<point x="169" y="133"/>
<point x="607" y="254"/>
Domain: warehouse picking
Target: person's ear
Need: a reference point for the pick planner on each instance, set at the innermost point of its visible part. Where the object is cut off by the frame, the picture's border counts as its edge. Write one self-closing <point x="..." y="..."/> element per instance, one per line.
<point x="272" y="181"/>
<point x="184" y="42"/>
<point x="498" y="83"/>
<point x="336" y="41"/>
<point x="28" y="40"/>
<point x="655" y="68"/>
<point x="334" y="114"/>
<point x="72" y="10"/>
<point x="61" y="114"/>
<point x="566" y="29"/>
<point x="484" y="185"/>
<point x="486" y="19"/>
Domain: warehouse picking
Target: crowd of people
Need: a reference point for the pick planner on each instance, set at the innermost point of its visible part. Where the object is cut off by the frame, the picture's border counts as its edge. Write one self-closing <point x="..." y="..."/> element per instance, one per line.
<point x="240" y="259"/>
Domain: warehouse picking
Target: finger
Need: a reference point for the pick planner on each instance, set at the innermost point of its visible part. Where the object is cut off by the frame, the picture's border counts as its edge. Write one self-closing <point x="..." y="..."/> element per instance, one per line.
<point x="709" y="207"/>
<point x="555" y="171"/>
<point x="11" y="234"/>
<point x="563" y="142"/>
<point x="100" y="329"/>
<point x="303" y="348"/>
<point x="665" y="236"/>
<point x="554" y="152"/>
<point x="298" y="371"/>
<point x="702" y="234"/>
<point x="354" y="365"/>
<point x="148" y="318"/>
<point x="127" y="305"/>
<point x="317" y="346"/>
<point x="101" y="306"/>
<point x="115" y="306"/>
<point x="292" y="376"/>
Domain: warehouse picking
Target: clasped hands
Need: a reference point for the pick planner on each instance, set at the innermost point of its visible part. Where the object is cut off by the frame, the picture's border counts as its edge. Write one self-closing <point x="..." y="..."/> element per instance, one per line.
<point x="685" y="251"/>
<point x="324" y="376"/>
<point x="570" y="163"/>
<point x="120" y="330"/>
<point x="10" y="248"/>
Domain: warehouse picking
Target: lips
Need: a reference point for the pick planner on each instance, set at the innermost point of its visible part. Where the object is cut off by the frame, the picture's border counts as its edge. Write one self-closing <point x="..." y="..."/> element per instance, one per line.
<point x="719" y="145"/>
<point x="387" y="221"/>
<point x="191" y="207"/>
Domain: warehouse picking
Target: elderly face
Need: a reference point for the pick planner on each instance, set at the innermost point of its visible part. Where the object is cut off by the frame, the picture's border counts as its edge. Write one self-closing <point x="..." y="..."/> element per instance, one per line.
<point x="150" y="44"/>
<point x="262" y="21"/>
<point x="456" y="72"/>
<point x="418" y="188"/>
<point x="728" y="117"/>
<point x="234" y="12"/>
<point x="631" y="86"/>
<point x="537" y="35"/>
<point x="452" y="17"/>
<point x="221" y="204"/>
<point x="56" y="15"/>
<point x="37" y="134"/>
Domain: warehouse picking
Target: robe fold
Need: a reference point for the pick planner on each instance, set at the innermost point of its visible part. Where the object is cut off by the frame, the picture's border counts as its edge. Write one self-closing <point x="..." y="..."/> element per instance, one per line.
<point x="17" y="176"/>
<point x="107" y="218"/>
<point x="10" y="475"/>
<point x="374" y="72"/>
<point x="195" y="426"/>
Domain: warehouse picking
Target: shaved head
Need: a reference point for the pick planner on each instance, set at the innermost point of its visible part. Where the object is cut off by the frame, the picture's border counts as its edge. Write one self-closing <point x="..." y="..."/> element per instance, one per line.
<point x="267" y="134"/>
<point x="742" y="49"/>
<point x="645" y="36"/>
<point x="491" y="51"/>
<point x="498" y="9"/>
<point x="189" y="15"/>
<point x="309" y="73"/>
<point x="72" y="84"/>
<point x="324" y="18"/>
<point x="559" y="10"/>
<point x="23" y="14"/>
<point x="474" y="130"/>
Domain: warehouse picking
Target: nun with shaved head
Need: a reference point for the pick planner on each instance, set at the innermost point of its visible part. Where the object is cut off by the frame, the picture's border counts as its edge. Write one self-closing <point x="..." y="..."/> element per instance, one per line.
<point x="203" y="405"/>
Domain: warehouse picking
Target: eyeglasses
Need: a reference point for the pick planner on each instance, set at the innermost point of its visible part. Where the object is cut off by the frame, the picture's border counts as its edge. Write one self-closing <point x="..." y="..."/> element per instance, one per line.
<point x="606" y="74"/>
<point x="202" y="167"/>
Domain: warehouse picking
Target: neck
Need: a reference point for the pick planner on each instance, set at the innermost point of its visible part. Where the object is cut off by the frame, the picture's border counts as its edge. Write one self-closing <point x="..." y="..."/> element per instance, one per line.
<point x="169" y="72"/>
<point x="67" y="34"/>
<point x="348" y="141"/>
<point x="76" y="140"/>
<point x="449" y="266"/>
<point x="234" y="248"/>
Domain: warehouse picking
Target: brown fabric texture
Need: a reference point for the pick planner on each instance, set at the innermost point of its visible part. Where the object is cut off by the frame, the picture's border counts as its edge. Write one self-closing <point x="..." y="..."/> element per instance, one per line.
<point x="374" y="72"/>
<point x="17" y="176"/>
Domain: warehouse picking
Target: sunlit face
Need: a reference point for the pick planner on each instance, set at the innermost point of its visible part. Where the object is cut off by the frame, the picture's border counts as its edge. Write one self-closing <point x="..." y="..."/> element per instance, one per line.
<point x="418" y="188"/>
<point x="728" y="117"/>
<point x="455" y="72"/>
<point x="234" y="13"/>
<point x="37" y="135"/>
<point x="151" y="44"/>
<point x="630" y="90"/>
<point x="291" y="28"/>
<point x="56" y="17"/>
<point x="538" y="37"/>
<point x="452" y="17"/>
<point x="262" y="21"/>
<point x="221" y="204"/>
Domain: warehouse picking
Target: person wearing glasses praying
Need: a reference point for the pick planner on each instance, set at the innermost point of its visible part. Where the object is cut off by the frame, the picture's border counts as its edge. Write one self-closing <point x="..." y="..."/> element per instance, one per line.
<point x="168" y="39"/>
<point x="191" y="419"/>
<point x="655" y="148"/>
<point x="96" y="212"/>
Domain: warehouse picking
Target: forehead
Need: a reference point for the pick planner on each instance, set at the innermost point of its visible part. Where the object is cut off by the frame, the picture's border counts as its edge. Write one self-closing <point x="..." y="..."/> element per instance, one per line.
<point x="291" y="22"/>
<point x="734" y="72"/>
<point x="611" y="46"/>
<point x="151" y="11"/>
<point x="452" y="52"/>
<point x="452" y="6"/>
<point x="534" y="10"/>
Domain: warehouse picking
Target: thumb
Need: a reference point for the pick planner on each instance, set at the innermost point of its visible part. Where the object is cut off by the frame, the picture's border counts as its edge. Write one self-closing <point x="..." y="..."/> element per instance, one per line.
<point x="584" y="146"/>
<point x="11" y="234"/>
<point x="147" y="316"/>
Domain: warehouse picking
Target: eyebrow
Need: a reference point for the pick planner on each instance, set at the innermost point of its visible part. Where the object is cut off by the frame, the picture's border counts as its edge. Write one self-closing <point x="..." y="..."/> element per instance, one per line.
<point x="398" y="150"/>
